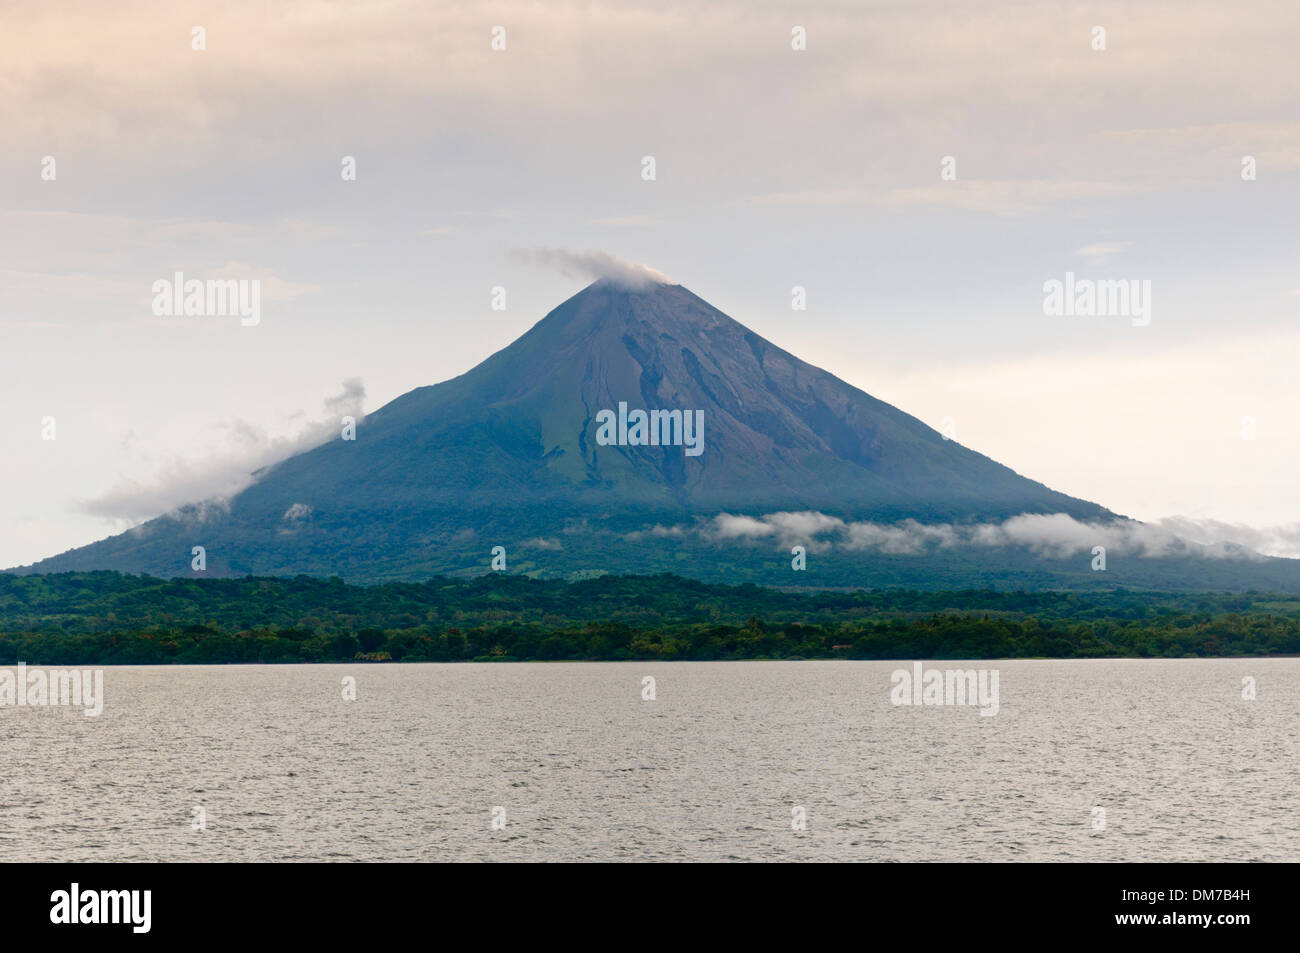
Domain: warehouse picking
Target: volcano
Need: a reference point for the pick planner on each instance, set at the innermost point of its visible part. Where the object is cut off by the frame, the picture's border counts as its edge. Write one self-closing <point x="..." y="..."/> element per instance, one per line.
<point x="567" y="449"/>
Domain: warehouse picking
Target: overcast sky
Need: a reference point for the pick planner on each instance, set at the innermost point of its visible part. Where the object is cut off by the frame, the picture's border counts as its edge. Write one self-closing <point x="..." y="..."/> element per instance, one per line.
<point x="775" y="167"/>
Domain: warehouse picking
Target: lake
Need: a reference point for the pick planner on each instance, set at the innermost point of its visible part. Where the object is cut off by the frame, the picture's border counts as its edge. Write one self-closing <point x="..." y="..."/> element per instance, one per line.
<point x="571" y="762"/>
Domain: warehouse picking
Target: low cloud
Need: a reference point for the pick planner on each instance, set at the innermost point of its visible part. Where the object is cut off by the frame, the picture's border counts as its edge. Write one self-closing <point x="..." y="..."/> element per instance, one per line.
<point x="656" y="532"/>
<point x="1053" y="535"/>
<point x="593" y="265"/>
<point x="542" y="542"/>
<point x="210" y="481"/>
<point x="1281" y="540"/>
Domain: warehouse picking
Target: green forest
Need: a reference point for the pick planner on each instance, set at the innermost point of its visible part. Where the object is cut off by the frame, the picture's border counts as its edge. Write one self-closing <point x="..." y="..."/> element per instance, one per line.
<point x="109" y="618"/>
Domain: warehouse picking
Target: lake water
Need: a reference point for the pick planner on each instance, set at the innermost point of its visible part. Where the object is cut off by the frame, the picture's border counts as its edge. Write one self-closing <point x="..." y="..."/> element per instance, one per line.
<point x="712" y="769"/>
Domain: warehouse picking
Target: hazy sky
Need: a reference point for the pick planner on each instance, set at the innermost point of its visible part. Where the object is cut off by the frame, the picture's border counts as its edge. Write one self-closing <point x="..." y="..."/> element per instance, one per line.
<point x="775" y="167"/>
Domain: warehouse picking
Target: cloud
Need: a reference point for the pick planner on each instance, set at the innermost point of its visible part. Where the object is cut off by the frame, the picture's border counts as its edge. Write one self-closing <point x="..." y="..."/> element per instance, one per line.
<point x="347" y="402"/>
<point x="1051" y="535"/>
<point x="542" y="542"/>
<point x="273" y="288"/>
<point x="907" y="538"/>
<point x="1098" y="252"/>
<point x="787" y="527"/>
<point x="1283" y="540"/>
<point x="656" y="532"/>
<point x="594" y="265"/>
<point x="218" y="477"/>
<point x="994" y="196"/>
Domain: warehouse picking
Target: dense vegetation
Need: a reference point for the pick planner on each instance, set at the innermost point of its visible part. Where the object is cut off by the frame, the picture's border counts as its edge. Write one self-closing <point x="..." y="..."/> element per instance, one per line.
<point x="110" y="618"/>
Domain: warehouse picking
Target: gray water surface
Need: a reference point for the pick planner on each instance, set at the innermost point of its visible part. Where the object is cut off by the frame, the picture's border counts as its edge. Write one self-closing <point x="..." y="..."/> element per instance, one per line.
<point x="585" y="769"/>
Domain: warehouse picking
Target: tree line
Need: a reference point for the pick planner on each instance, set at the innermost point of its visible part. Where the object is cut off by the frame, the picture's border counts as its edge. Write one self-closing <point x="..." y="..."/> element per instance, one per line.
<point x="110" y="618"/>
